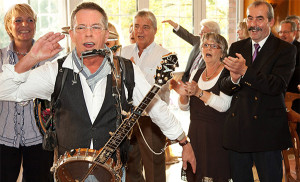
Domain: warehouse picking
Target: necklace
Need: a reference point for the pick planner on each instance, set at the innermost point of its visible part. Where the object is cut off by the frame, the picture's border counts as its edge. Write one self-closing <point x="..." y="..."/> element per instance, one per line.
<point x="208" y="77"/>
<point x="20" y="53"/>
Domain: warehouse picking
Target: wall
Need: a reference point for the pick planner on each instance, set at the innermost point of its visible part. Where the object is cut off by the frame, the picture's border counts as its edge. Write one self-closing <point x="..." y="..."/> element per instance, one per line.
<point x="282" y="8"/>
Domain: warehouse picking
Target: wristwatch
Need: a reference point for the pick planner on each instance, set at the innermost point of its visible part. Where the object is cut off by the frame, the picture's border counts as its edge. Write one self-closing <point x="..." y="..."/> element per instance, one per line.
<point x="201" y="94"/>
<point x="185" y="142"/>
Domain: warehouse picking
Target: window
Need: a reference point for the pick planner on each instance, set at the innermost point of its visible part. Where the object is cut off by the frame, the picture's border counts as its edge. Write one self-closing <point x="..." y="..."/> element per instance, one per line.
<point x="120" y="14"/>
<point x="225" y="13"/>
<point x="181" y="12"/>
<point x="52" y="16"/>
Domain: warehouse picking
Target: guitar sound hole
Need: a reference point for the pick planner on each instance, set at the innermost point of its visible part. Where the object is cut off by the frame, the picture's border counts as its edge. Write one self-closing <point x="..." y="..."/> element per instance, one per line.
<point x="77" y="170"/>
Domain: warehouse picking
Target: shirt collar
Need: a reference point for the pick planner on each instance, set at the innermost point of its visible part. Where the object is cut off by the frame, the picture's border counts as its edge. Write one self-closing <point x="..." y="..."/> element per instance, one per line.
<point x="149" y="48"/>
<point x="262" y="42"/>
<point x="11" y="47"/>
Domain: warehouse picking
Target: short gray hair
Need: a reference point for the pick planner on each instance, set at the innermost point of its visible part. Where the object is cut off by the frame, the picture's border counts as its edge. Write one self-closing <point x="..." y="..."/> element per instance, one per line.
<point x="292" y="17"/>
<point x="270" y="13"/>
<point x="147" y="14"/>
<point x="217" y="38"/>
<point x="293" y="24"/>
<point x="90" y="6"/>
<point x="212" y="25"/>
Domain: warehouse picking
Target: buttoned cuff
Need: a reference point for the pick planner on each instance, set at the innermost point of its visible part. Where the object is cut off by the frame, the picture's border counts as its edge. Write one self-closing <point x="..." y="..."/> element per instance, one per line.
<point x="181" y="137"/>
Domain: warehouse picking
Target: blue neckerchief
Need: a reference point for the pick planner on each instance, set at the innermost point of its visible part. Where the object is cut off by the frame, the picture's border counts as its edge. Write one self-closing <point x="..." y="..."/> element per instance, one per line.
<point x="92" y="79"/>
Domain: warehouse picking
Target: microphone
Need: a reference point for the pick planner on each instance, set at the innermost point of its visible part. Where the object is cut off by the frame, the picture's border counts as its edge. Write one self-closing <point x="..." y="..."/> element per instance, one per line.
<point x="95" y="52"/>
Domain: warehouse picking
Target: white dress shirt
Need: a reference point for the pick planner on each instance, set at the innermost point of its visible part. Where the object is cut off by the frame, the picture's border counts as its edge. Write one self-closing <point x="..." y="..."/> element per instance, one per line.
<point x="220" y="102"/>
<point x="39" y="83"/>
<point x="148" y="62"/>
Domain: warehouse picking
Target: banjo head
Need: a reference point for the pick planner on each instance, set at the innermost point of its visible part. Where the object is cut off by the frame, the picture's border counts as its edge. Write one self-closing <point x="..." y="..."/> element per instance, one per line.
<point x="80" y="164"/>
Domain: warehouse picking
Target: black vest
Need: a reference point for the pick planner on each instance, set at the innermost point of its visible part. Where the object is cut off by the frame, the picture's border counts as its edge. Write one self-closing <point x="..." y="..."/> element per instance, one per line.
<point x="73" y="125"/>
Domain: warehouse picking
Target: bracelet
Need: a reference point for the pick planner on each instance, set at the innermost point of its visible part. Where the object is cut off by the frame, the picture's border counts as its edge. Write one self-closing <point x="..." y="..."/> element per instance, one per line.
<point x="201" y="94"/>
<point x="185" y="142"/>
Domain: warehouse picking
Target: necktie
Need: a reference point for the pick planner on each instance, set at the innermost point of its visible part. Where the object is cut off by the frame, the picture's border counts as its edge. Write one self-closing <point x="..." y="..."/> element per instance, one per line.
<point x="196" y="63"/>
<point x="256" y="46"/>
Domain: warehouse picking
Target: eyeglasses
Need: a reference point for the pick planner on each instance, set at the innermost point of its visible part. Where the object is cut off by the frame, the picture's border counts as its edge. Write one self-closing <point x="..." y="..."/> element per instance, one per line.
<point x="212" y="46"/>
<point x="83" y="28"/>
<point x="144" y="27"/>
<point x="284" y="32"/>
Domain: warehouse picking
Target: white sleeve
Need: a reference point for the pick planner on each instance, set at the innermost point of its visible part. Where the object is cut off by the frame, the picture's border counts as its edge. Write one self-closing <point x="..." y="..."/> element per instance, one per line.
<point x="220" y="102"/>
<point x="177" y="28"/>
<point x="36" y="83"/>
<point x="184" y="107"/>
<point x="158" y="109"/>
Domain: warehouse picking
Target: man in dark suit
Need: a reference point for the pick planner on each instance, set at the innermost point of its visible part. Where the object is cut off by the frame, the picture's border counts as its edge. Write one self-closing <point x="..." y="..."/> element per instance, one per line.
<point x="295" y="19"/>
<point x="195" y="60"/>
<point x="256" y="127"/>
<point x="288" y="32"/>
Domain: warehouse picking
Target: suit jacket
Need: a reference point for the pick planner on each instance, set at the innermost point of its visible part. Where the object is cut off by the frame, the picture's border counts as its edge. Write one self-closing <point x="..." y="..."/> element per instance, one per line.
<point x="297" y="44"/>
<point x="257" y="119"/>
<point x="295" y="80"/>
<point x="195" y="42"/>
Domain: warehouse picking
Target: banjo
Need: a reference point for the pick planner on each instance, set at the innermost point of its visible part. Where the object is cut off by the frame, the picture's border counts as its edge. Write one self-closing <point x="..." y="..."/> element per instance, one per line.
<point x="82" y="163"/>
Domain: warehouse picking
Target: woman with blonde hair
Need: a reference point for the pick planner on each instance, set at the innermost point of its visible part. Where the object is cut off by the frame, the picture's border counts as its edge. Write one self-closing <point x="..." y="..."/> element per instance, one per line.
<point x="20" y="138"/>
<point x="242" y="31"/>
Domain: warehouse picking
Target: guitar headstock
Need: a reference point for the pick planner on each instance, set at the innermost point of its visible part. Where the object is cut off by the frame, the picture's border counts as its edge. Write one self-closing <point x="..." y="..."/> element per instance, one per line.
<point x="168" y="64"/>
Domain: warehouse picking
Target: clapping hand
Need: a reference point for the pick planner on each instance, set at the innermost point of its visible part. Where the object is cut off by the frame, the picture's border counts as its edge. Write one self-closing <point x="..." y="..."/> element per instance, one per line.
<point x="178" y="86"/>
<point x="191" y="88"/>
<point x="236" y="66"/>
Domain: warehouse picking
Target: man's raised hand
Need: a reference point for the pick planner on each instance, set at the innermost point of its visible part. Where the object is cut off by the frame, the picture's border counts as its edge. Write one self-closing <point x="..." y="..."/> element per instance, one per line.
<point x="46" y="46"/>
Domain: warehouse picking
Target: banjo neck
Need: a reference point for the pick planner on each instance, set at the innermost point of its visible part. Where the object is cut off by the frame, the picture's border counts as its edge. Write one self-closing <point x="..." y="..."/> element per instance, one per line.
<point x="112" y="144"/>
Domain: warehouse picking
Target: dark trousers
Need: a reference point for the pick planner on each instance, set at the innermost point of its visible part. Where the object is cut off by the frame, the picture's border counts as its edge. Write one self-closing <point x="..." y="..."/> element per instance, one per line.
<point x="268" y="165"/>
<point x="36" y="163"/>
<point x="140" y="155"/>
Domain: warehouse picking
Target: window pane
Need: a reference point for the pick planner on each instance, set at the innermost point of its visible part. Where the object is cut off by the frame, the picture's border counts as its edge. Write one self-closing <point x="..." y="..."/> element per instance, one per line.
<point x="217" y="10"/>
<point x="49" y="17"/>
<point x="181" y="12"/>
<point x="120" y="13"/>
<point x="225" y="13"/>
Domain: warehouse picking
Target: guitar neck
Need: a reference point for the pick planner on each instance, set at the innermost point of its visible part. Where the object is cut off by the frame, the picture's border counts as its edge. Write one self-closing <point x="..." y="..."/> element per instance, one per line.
<point x="123" y="130"/>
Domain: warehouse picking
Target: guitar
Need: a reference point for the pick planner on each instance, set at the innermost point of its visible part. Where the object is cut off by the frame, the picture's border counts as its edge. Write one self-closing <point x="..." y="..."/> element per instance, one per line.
<point x="80" y="164"/>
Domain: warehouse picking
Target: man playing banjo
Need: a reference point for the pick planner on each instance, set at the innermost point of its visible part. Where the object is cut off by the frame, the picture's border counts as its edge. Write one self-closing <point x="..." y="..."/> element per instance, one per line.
<point x="86" y="112"/>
